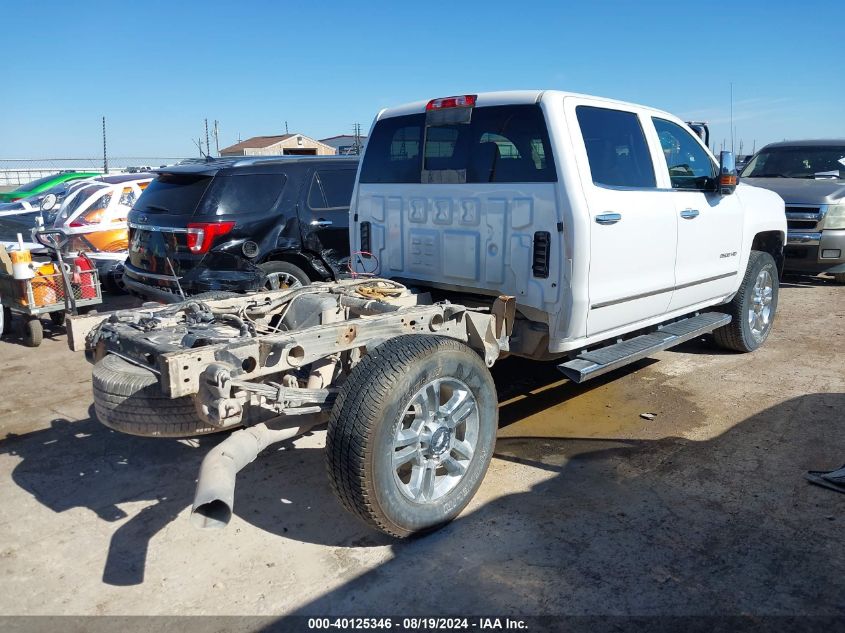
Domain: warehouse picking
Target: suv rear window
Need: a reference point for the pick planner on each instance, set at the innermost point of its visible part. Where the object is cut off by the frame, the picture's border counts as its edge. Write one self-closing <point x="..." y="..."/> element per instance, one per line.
<point x="173" y="193"/>
<point x="232" y="194"/>
<point x="497" y="144"/>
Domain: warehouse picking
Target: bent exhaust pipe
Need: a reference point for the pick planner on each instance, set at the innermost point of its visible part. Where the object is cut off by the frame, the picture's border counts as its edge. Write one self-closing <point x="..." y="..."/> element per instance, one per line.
<point x="215" y="495"/>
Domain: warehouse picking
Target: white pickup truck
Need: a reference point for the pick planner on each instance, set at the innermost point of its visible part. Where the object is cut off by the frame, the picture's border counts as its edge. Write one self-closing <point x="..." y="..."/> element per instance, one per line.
<point x="542" y="224"/>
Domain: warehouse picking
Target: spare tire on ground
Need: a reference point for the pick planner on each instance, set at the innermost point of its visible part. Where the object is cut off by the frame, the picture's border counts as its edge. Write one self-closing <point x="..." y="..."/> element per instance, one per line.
<point x="127" y="398"/>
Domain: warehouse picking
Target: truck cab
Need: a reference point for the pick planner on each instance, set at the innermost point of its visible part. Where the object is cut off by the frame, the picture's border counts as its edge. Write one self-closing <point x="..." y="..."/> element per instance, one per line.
<point x="599" y="217"/>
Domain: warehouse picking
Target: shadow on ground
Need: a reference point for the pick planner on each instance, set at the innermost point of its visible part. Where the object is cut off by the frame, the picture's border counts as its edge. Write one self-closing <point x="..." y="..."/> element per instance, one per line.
<point x="648" y="527"/>
<point x="82" y="464"/>
<point x="726" y="526"/>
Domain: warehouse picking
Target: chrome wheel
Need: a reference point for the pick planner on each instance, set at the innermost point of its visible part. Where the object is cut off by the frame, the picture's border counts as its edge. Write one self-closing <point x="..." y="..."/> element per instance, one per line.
<point x="760" y="310"/>
<point x="282" y="281"/>
<point x="435" y="440"/>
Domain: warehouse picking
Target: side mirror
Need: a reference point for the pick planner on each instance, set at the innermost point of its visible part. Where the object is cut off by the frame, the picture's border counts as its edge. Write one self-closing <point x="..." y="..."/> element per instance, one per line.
<point x="727" y="173"/>
<point x="48" y="202"/>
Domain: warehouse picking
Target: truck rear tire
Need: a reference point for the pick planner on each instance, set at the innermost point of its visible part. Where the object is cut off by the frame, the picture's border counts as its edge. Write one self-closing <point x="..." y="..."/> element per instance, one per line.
<point x="127" y="398"/>
<point x="412" y="433"/>
<point x="753" y="307"/>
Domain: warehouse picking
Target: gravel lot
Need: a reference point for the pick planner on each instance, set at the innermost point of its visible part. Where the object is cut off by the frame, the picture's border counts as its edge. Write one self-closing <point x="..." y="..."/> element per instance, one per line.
<point x="587" y="509"/>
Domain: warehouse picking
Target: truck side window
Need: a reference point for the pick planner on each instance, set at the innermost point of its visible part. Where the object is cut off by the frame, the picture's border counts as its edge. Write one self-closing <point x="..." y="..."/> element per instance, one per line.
<point x="616" y="147"/>
<point x="690" y="167"/>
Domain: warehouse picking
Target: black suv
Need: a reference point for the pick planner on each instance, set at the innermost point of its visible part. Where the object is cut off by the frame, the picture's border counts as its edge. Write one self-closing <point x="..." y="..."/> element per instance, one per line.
<point x="240" y="224"/>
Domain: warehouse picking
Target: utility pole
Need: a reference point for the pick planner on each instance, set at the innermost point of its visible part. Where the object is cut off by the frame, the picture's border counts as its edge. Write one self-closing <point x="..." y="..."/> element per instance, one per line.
<point x="356" y="132"/>
<point x="207" y="144"/>
<point x="216" y="138"/>
<point x="105" y="155"/>
<point x="286" y="128"/>
<point x="198" y="143"/>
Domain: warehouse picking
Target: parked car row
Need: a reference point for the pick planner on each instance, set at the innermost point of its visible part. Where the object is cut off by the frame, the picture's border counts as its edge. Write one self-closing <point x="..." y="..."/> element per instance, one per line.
<point x="241" y="224"/>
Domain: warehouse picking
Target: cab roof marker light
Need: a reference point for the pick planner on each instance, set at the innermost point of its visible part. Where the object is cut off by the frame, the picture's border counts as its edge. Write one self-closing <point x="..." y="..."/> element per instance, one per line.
<point x="461" y="101"/>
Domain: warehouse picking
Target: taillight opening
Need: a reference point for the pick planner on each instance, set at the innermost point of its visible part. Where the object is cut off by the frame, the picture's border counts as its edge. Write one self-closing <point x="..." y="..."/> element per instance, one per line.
<point x="201" y="235"/>
<point x="460" y="101"/>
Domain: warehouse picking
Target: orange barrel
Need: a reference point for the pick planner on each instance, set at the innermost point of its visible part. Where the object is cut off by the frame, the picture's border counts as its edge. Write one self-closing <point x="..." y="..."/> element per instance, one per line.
<point x="44" y="285"/>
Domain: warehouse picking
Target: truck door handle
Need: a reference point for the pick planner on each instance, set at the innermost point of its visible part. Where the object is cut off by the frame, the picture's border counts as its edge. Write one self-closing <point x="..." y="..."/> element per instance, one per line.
<point x="608" y="218"/>
<point x="689" y="214"/>
<point x="321" y="222"/>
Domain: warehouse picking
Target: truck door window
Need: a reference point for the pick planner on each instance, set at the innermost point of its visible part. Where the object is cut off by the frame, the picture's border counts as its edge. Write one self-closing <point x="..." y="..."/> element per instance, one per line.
<point x="616" y="147"/>
<point x="690" y="167"/>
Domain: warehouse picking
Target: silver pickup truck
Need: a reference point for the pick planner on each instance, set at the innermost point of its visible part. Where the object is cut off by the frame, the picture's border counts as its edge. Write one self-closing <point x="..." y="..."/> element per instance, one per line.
<point x="810" y="177"/>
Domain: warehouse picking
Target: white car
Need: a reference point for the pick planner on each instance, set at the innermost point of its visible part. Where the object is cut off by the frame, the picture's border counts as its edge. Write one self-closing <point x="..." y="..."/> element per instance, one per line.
<point x="93" y="216"/>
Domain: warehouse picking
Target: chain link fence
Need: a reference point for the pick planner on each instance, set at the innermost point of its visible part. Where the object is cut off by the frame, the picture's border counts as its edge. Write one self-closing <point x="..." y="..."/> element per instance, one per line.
<point x="15" y="172"/>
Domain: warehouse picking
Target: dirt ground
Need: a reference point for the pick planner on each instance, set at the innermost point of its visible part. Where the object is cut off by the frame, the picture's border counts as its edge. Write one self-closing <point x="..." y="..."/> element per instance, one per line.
<point x="587" y="509"/>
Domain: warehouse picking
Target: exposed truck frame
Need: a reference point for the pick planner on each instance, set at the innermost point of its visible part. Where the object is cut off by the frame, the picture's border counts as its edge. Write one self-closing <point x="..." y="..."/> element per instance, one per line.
<point x="236" y="355"/>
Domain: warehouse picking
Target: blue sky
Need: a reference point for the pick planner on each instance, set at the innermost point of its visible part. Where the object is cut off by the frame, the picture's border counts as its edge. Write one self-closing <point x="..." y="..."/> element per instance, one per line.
<point x="157" y="69"/>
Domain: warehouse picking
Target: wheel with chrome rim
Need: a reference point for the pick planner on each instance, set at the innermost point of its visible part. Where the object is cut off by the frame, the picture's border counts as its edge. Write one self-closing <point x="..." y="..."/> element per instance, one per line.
<point x="283" y="276"/>
<point x="412" y="433"/>
<point x="753" y="307"/>
<point x="435" y="440"/>
<point x="760" y="308"/>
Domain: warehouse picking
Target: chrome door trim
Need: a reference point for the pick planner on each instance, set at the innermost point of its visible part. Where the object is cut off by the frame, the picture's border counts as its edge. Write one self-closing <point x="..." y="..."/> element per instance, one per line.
<point x="157" y="229"/>
<point x="643" y="295"/>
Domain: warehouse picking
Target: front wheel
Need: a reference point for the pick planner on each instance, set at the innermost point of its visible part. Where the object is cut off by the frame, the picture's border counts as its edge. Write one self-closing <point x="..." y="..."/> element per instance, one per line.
<point x="753" y="308"/>
<point x="839" y="278"/>
<point x="412" y="433"/>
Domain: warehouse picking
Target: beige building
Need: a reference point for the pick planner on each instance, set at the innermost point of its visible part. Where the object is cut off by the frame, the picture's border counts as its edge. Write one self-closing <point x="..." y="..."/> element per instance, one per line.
<point x="287" y="144"/>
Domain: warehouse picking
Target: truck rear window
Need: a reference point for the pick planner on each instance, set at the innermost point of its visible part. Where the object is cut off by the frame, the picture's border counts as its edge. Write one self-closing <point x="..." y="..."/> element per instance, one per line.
<point x="497" y="144"/>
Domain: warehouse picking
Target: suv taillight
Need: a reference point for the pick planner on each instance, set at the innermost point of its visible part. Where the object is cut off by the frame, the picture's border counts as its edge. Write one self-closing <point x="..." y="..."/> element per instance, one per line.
<point x="201" y="234"/>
